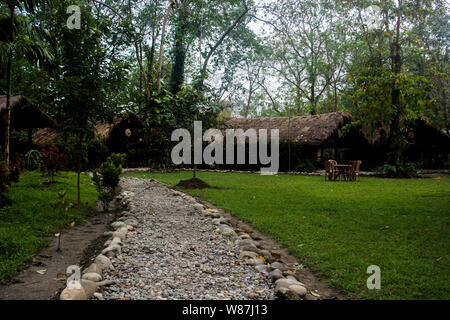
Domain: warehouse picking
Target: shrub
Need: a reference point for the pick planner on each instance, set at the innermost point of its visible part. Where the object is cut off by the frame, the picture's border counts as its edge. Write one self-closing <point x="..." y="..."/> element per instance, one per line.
<point x="32" y="160"/>
<point x="97" y="152"/>
<point x="8" y="175"/>
<point x="4" y="181"/>
<point x="107" y="177"/>
<point x="305" y="166"/>
<point x="118" y="159"/>
<point x="52" y="160"/>
<point x="407" y="170"/>
<point x="15" y="168"/>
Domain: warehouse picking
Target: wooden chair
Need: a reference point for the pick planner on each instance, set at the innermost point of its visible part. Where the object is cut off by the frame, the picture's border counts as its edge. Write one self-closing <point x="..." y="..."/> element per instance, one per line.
<point x="330" y="169"/>
<point x="353" y="172"/>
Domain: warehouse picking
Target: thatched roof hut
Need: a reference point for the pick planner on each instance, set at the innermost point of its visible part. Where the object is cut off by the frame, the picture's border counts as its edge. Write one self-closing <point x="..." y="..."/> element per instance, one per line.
<point x="25" y="114"/>
<point x="118" y="129"/>
<point x="123" y="127"/>
<point x="305" y="130"/>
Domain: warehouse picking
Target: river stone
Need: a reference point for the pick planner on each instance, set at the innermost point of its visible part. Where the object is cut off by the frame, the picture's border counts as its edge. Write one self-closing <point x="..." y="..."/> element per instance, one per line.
<point x="113" y="247"/>
<point x="310" y="297"/>
<point x="103" y="262"/>
<point x="89" y="288"/>
<point x="119" y="234"/>
<point x="213" y="213"/>
<point x="73" y="291"/>
<point x="283" y="282"/>
<point x="131" y="222"/>
<point x="245" y="242"/>
<point x="251" y="249"/>
<point x="116" y="240"/>
<point x="254" y="261"/>
<point x="199" y="207"/>
<point x="291" y="295"/>
<point x="298" y="290"/>
<point x="98" y="295"/>
<point x="281" y="292"/>
<point x="92" y="276"/>
<point x="264" y="269"/>
<point x="245" y="236"/>
<point x="275" y="275"/>
<point x="220" y="221"/>
<point x="266" y="254"/>
<point x="94" y="268"/>
<point x="247" y="254"/>
<point x="278" y="265"/>
<point x="228" y="232"/>
<point x="118" y="224"/>
<point x="127" y="217"/>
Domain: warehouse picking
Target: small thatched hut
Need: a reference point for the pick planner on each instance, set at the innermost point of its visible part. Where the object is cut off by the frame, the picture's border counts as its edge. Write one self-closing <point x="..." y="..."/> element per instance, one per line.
<point x="120" y="134"/>
<point x="117" y="134"/>
<point x="315" y="136"/>
<point x="24" y="115"/>
<point x="427" y="145"/>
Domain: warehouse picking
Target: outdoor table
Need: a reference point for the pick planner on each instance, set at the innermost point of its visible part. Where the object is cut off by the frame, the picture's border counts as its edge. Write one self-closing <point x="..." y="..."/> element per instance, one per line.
<point x="342" y="170"/>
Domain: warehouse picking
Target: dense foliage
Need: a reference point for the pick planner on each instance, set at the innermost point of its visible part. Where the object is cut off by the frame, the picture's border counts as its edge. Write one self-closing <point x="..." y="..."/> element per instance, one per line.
<point x="107" y="176"/>
<point x="52" y="161"/>
<point x="173" y="62"/>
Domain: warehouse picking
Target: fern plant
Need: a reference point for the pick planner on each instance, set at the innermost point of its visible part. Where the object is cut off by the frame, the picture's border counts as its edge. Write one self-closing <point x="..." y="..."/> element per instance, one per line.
<point x="32" y="160"/>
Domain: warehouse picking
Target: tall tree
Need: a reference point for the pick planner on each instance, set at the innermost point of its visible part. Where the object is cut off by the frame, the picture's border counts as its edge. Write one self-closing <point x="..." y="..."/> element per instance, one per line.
<point x="386" y="92"/>
<point x="80" y="87"/>
<point x="19" y="38"/>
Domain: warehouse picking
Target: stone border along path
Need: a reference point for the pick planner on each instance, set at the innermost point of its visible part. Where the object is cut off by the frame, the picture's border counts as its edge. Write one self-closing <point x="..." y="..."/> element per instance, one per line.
<point x="167" y="245"/>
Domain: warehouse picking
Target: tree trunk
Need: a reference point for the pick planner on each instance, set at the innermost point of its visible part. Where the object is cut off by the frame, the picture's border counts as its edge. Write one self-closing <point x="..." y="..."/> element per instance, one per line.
<point x="150" y="58"/>
<point x="78" y="174"/>
<point x="78" y="187"/>
<point x="8" y="90"/>
<point x="335" y="98"/>
<point x="395" y="147"/>
<point x="249" y="100"/>
<point x="161" y="47"/>
<point x="313" y="100"/>
<point x="289" y="142"/>
<point x="177" y="75"/>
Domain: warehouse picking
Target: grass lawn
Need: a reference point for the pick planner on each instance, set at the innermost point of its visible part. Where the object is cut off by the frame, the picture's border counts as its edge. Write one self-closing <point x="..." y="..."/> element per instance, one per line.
<point x="340" y="228"/>
<point x="25" y="225"/>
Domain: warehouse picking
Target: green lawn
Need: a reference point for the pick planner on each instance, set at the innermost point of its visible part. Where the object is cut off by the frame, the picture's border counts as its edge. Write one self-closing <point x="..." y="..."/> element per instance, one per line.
<point x="25" y="225"/>
<point x="340" y="228"/>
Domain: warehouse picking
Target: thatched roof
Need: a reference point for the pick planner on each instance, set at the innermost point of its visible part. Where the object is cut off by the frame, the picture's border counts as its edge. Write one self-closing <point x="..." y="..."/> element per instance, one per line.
<point x="106" y="129"/>
<point x="46" y="135"/>
<point x="25" y="114"/>
<point x="103" y="130"/>
<point x="306" y="130"/>
<point x="422" y="124"/>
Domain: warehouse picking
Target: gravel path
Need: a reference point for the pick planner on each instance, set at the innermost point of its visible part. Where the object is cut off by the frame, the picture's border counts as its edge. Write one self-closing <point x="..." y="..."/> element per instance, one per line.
<point x="177" y="253"/>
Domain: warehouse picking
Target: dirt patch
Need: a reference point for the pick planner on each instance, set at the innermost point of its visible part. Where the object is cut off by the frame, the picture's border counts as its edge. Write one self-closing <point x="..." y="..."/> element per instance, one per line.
<point x="194" y="183"/>
<point x="279" y="253"/>
<point x="79" y="246"/>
